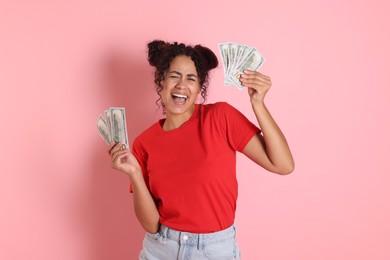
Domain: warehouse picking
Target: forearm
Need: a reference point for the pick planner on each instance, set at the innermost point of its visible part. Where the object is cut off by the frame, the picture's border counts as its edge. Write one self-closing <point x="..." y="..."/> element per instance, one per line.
<point x="276" y="146"/>
<point x="144" y="205"/>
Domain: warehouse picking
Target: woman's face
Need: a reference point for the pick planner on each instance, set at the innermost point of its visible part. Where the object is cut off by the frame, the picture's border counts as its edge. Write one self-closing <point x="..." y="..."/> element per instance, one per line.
<point x="180" y="86"/>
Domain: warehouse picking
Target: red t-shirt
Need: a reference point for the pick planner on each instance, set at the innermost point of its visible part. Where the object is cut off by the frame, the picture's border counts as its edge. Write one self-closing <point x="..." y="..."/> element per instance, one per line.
<point x="191" y="171"/>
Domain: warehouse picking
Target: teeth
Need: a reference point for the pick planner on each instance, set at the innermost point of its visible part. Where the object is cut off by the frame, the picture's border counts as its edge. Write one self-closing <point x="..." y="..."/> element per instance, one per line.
<point x="179" y="96"/>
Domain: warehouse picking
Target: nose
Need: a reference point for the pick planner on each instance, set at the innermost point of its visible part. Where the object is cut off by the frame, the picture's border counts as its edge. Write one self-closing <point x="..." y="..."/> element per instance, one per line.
<point x="180" y="84"/>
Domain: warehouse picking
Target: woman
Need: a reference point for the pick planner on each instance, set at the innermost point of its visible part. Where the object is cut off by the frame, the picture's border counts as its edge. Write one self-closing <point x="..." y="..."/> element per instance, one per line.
<point x="182" y="169"/>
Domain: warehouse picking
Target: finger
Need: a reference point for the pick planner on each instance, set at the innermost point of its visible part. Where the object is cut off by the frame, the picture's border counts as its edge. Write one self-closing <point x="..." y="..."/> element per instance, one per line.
<point x="255" y="83"/>
<point x="120" y="157"/>
<point x="118" y="154"/>
<point x="254" y="72"/>
<point x="115" y="147"/>
<point x="112" y="145"/>
<point x="255" y="75"/>
<point x="249" y="72"/>
<point x="255" y="78"/>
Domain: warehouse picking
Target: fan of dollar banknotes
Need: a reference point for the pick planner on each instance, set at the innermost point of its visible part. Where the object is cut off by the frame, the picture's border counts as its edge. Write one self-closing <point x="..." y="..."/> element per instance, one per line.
<point x="237" y="58"/>
<point x="112" y="126"/>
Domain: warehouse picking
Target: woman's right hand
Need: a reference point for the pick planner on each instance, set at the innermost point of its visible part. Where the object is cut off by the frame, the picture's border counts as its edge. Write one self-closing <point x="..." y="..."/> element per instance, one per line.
<point x="123" y="160"/>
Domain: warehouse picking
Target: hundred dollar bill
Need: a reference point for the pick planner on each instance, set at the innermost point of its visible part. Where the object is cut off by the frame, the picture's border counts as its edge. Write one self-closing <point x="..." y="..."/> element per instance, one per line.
<point x="118" y="124"/>
<point x="107" y="114"/>
<point x="252" y="62"/>
<point x="224" y="50"/>
<point x="104" y="130"/>
<point x="237" y="58"/>
<point x="113" y="127"/>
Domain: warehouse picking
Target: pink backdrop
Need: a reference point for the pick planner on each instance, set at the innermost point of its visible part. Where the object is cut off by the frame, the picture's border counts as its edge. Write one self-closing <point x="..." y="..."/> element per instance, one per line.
<point x="64" y="62"/>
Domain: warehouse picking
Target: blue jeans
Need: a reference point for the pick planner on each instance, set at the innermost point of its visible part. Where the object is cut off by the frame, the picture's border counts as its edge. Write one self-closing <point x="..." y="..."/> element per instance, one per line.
<point x="170" y="244"/>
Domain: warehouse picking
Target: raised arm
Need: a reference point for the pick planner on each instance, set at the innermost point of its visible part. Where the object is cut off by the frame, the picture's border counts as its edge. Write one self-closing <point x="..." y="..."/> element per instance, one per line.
<point x="144" y="206"/>
<point x="270" y="148"/>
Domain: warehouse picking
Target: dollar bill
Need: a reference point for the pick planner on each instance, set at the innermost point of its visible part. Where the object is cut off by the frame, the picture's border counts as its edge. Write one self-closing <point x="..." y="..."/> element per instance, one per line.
<point x="224" y="49"/>
<point x="113" y="126"/>
<point x="103" y="129"/>
<point x="107" y="114"/>
<point x="237" y="58"/>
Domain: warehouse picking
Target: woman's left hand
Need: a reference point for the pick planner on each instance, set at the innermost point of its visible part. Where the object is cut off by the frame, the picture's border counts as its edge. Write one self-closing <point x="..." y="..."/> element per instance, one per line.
<point x="258" y="85"/>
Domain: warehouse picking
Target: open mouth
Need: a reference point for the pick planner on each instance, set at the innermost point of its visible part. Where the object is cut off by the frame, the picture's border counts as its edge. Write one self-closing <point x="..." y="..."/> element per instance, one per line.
<point x="179" y="98"/>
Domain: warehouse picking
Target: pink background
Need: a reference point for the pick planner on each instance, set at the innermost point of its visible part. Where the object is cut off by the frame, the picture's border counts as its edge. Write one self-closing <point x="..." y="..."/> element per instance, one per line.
<point x="62" y="63"/>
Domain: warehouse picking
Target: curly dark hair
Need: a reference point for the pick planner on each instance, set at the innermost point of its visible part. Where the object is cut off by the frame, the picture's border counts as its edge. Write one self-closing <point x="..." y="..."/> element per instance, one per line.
<point x="161" y="54"/>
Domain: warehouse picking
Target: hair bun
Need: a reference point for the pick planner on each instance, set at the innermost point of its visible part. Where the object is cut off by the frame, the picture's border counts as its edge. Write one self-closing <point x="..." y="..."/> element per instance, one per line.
<point x="210" y="60"/>
<point x="155" y="49"/>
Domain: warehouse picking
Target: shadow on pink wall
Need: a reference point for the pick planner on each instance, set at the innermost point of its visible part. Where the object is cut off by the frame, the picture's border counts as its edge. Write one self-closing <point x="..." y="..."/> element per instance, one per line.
<point x="114" y="231"/>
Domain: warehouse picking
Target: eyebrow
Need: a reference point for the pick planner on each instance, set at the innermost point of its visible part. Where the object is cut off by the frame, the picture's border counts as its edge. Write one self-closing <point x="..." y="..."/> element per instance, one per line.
<point x="178" y="73"/>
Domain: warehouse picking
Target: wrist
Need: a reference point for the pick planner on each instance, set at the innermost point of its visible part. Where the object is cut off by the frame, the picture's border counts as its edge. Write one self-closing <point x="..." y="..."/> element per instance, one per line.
<point x="258" y="105"/>
<point x="136" y="176"/>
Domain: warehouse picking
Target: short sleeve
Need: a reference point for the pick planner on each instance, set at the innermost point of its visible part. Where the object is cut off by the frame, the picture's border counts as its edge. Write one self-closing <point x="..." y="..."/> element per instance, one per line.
<point x="239" y="130"/>
<point x="141" y="157"/>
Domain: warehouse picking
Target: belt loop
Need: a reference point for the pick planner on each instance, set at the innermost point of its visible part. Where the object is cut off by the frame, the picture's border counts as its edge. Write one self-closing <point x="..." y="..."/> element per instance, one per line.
<point x="167" y="232"/>
<point x="199" y="247"/>
<point x="164" y="231"/>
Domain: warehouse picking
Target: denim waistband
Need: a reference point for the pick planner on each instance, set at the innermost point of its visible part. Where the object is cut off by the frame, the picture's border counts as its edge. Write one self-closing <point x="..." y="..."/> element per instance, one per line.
<point x="195" y="238"/>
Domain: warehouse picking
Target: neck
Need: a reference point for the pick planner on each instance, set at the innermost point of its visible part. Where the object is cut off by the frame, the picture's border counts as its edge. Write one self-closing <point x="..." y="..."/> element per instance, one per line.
<point x="174" y="121"/>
